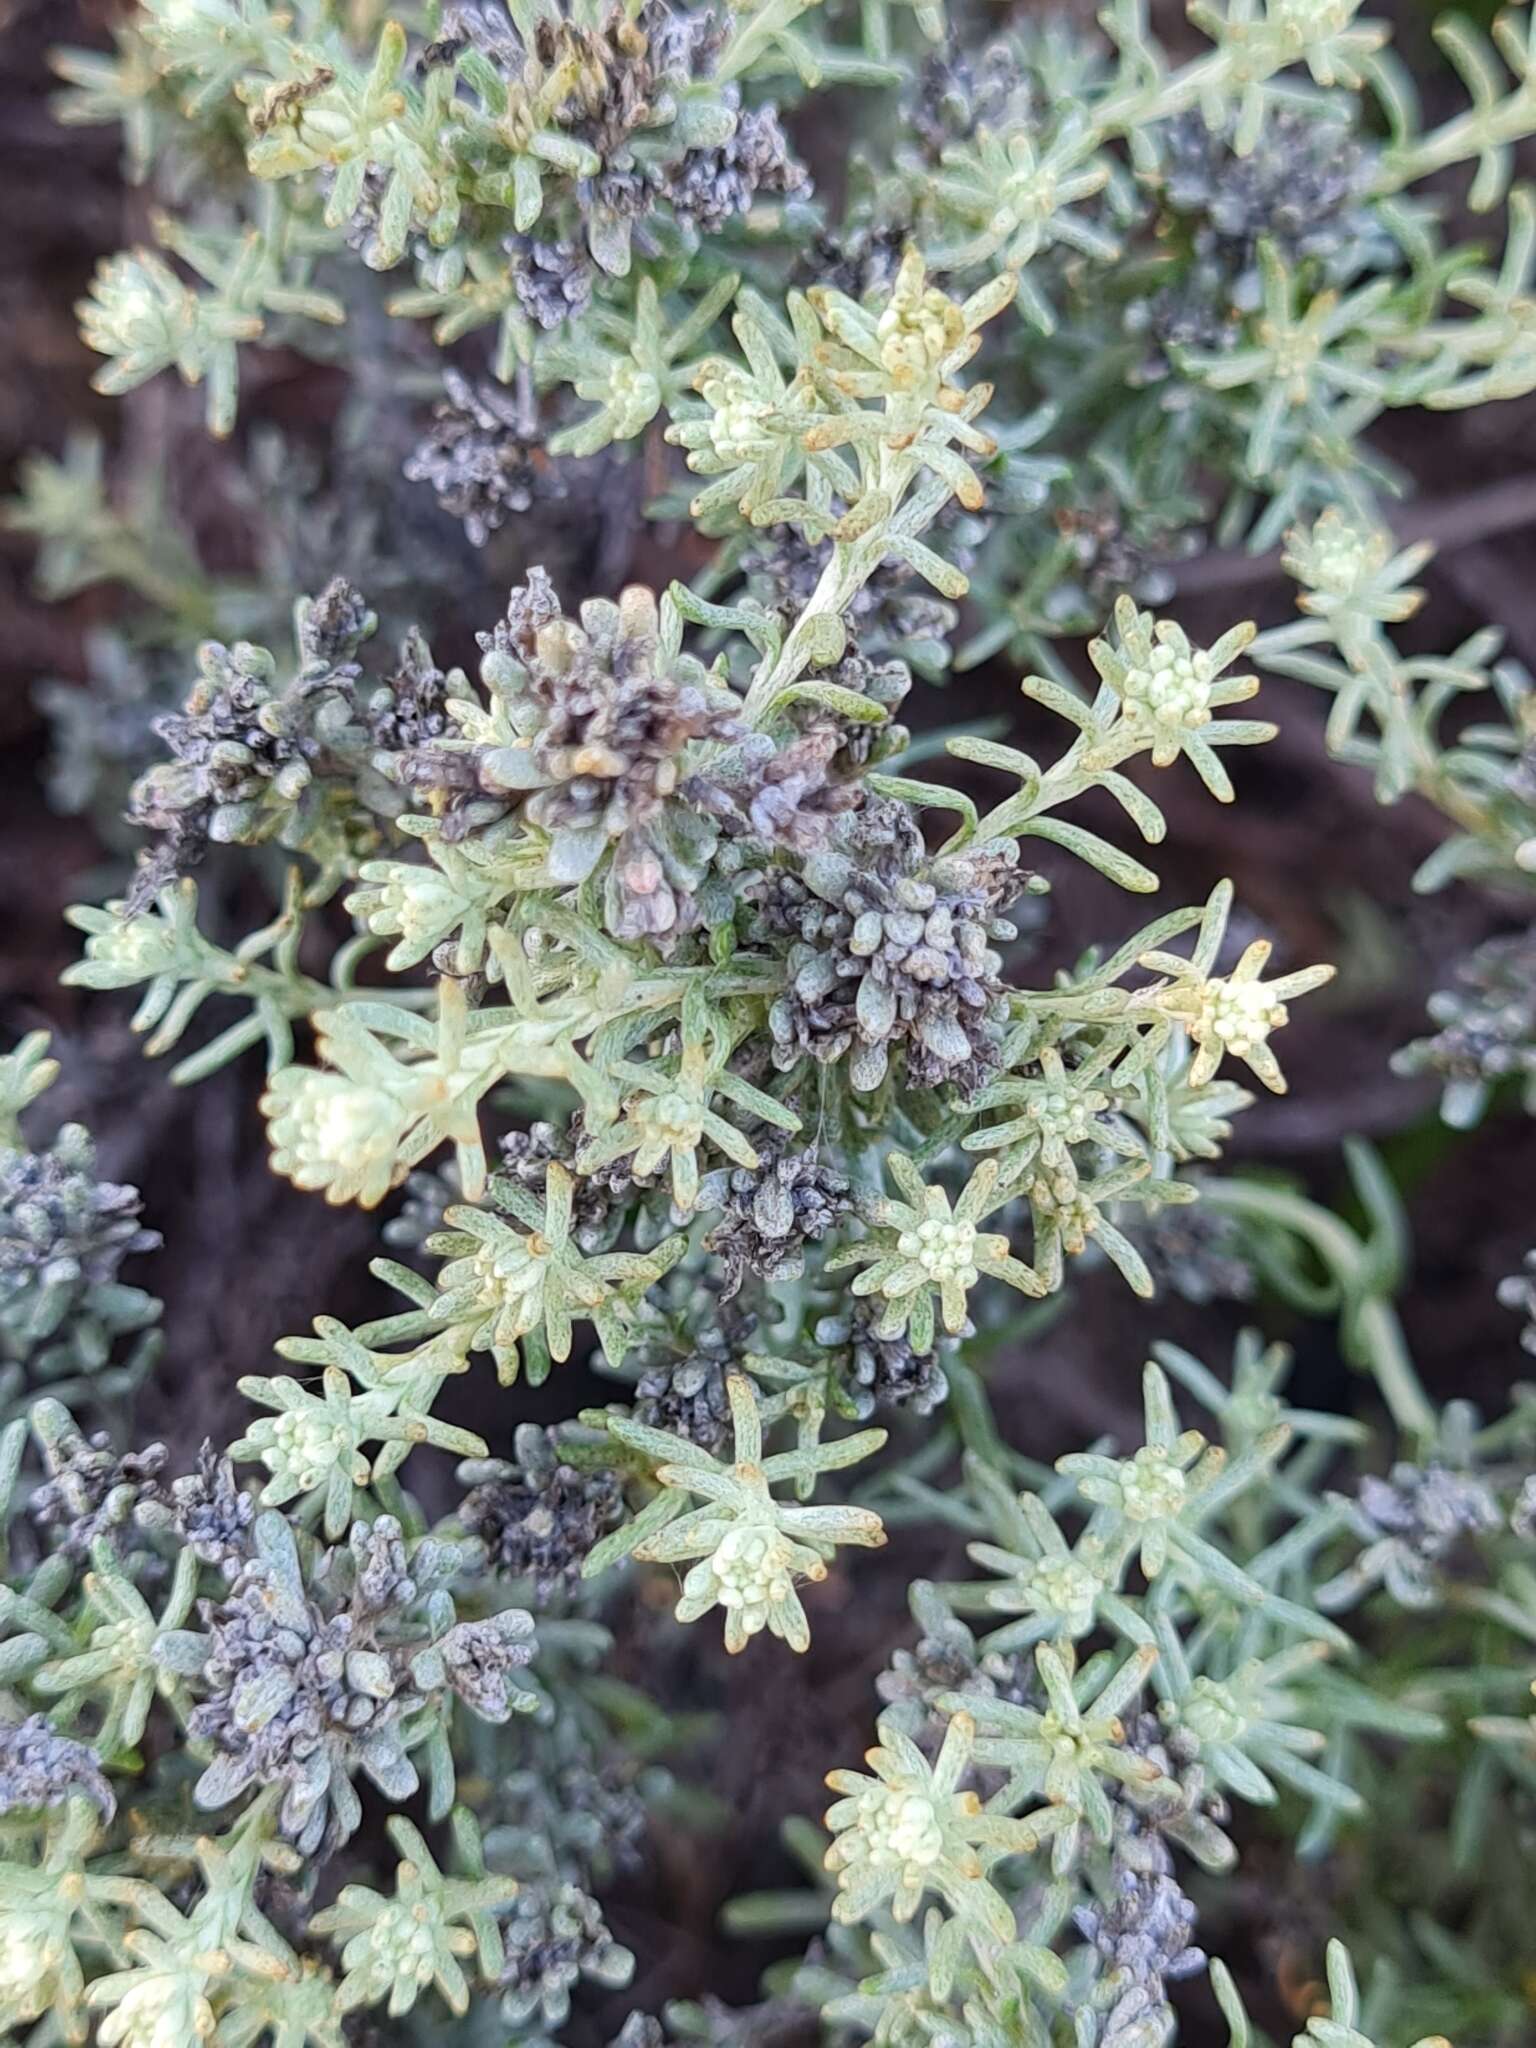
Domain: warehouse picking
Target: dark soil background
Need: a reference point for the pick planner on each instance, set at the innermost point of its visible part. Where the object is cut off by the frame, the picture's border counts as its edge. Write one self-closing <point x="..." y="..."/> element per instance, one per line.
<point x="247" y="1259"/>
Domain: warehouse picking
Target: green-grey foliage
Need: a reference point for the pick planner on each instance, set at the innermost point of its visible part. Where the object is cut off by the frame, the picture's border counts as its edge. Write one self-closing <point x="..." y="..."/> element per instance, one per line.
<point x="706" y="1040"/>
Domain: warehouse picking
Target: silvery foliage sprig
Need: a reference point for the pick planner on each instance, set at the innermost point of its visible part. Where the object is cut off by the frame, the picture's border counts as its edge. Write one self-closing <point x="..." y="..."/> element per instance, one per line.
<point x="642" y="873"/>
<point x="518" y="160"/>
<point x="1069" y="1731"/>
<point x="605" y="756"/>
<point x="1390" y="714"/>
<point x="309" y="1667"/>
<point x="254" y="1674"/>
<point x="68" y="1322"/>
<point x="750" y="1547"/>
<point x="1231" y="278"/>
<point x="1222" y="244"/>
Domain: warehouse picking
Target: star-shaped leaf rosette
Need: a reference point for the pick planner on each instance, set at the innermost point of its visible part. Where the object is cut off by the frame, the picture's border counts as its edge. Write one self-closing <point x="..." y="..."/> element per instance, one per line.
<point x="392" y="1948"/>
<point x="1152" y="1504"/>
<point x="926" y="1249"/>
<point x="1229" y="1013"/>
<point x="749" y="1547"/>
<point x="527" y="1287"/>
<point x="1071" y="1751"/>
<point x="915" y="1828"/>
<point x="393" y="1087"/>
<point x="668" y="1116"/>
<point x="1169" y="692"/>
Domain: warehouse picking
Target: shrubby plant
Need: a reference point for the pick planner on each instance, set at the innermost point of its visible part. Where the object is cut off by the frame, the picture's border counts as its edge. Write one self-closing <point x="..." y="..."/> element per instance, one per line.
<point x="696" y="1038"/>
<point x="1390" y="714"/>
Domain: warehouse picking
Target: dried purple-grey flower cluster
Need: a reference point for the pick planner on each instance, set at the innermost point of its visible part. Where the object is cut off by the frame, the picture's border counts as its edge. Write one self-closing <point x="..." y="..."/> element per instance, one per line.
<point x="411" y="708"/>
<point x="611" y="715"/>
<point x="483" y="456"/>
<point x="301" y="1697"/>
<point x="682" y="1364"/>
<point x="94" y="1491"/>
<point x="710" y="186"/>
<point x="1301" y="190"/>
<point x="687" y="1399"/>
<point x="1486" y="1024"/>
<point x="614" y="86"/>
<point x="1408" y="1525"/>
<point x="553" y="280"/>
<point x="1143" y="1930"/>
<point x="555" y="1936"/>
<point x="537" y="1515"/>
<point x="881" y="1374"/>
<point x="526" y="1157"/>
<point x="1518" y="1292"/>
<point x="958" y="92"/>
<point x="245" y="748"/>
<point x="307" y="1679"/>
<point x="41" y="1768"/>
<point x="62" y="1231"/>
<point x="943" y="1661"/>
<point x="856" y="259"/>
<point x="1194" y="1251"/>
<point x="210" y="1512"/>
<point x="890" y="951"/>
<point x="891" y="613"/>
<point x="771" y="1211"/>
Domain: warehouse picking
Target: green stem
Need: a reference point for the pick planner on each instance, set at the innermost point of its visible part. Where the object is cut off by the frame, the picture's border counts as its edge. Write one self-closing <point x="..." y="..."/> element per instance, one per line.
<point x="1371" y="1332"/>
<point x="1474" y="133"/>
<point x="851" y="566"/>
